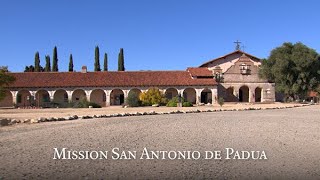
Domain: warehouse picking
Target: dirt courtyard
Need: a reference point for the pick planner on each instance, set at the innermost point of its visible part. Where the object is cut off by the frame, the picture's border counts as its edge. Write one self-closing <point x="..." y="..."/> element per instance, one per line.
<point x="289" y="137"/>
<point x="63" y="112"/>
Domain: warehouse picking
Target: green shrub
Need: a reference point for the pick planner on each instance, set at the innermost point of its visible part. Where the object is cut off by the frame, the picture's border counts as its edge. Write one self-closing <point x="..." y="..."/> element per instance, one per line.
<point x="221" y="101"/>
<point x="174" y="102"/>
<point x="164" y="101"/>
<point x="187" y="104"/>
<point x="133" y="99"/>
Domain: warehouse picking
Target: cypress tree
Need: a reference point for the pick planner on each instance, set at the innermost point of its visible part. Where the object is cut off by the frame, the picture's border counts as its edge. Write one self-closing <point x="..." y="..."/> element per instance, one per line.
<point x="48" y="65"/>
<point x="97" y="59"/>
<point x="71" y="63"/>
<point x="55" y="60"/>
<point x="105" y="62"/>
<point x="37" y="62"/>
<point x="121" y="60"/>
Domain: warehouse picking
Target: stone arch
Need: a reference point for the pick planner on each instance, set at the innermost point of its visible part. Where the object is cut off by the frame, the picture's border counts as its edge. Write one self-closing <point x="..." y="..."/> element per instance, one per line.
<point x="206" y="96"/>
<point x="60" y="96"/>
<point x="42" y="98"/>
<point x="7" y="101"/>
<point x="78" y="95"/>
<point x="116" y="97"/>
<point x="244" y="94"/>
<point x="171" y="93"/>
<point x="258" y="94"/>
<point x="98" y="96"/>
<point x="135" y="90"/>
<point x="190" y="95"/>
<point x="24" y="98"/>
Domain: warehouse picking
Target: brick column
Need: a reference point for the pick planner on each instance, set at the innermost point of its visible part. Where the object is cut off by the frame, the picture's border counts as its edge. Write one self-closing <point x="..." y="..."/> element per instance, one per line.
<point x="198" y="96"/>
<point x="125" y="93"/>
<point x="214" y="95"/>
<point x="251" y="96"/>
<point x="14" y="97"/>
<point x="108" y="92"/>
<point x="88" y="93"/>
<point x="51" y="95"/>
<point x="69" y="96"/>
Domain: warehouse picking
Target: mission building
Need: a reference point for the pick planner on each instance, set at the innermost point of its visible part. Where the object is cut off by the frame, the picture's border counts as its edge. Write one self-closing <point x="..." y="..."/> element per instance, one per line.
<point x="233" y="76"/>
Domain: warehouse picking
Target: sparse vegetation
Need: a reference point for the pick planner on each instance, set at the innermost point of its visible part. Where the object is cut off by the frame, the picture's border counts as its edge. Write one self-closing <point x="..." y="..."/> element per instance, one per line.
<point x="84" y="103"/>
<point x="174" y="102"/>
<point x="187" y="104"/>
<point x="133" y="99"/>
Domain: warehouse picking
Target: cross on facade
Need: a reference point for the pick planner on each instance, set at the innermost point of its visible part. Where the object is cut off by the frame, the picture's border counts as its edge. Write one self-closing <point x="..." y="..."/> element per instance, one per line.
<point x="238" y="45"/>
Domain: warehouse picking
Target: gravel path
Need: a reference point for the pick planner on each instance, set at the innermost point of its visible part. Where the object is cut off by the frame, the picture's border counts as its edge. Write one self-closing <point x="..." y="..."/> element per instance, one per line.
<point x="290" y="138"/>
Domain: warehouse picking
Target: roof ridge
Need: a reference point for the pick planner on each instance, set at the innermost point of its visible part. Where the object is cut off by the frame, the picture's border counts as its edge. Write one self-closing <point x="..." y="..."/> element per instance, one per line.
<point x="98" y="72"/>
<point x="236" y="51"/>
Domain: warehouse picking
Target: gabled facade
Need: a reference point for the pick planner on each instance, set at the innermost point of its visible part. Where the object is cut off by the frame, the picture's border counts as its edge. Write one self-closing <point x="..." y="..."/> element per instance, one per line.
<point x="240" y="81"/>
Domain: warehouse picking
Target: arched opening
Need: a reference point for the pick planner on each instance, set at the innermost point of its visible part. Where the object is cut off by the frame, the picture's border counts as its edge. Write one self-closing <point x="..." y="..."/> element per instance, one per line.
<point x="171" y="93"/>
<point x="60" y="98"/>
<point x="98" y="96"/>
<point x="257" y="94"/>
<point x="42" y="98"/>
<point x="24" y="99"/>
<point x="78" y="95"/>
<point x="137" y="91"/>
<point x="244" y="94"/>
<point x="189" y="94"/>
<point x="229" y="95"/>
<point x="133" y="98"/>
<point x="116" y="97"/>
<point x="7" y="101"/>
<point x="206" y="96"/>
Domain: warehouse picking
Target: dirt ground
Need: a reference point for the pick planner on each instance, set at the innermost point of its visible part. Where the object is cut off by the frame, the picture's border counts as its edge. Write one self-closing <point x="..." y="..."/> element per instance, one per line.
<point x="63" y="112"/>
<point x="289" y="137"/>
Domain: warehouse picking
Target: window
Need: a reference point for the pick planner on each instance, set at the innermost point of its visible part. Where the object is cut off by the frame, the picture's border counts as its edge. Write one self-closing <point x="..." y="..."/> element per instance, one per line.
<point x="245" y="69"/>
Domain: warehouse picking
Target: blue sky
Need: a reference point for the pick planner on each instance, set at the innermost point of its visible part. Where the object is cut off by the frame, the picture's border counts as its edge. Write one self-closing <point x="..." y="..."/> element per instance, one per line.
<point x="155" y="34"/>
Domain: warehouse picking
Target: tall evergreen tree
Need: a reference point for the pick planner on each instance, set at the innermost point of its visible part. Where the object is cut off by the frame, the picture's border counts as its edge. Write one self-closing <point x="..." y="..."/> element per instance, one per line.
<point x="105" y="62"/>
<point x="37" y="62"/>
<point x="121" y="60"/>
<point x="48" y="65"/>
<point x="55" y="60"/>
<point x="97" y="59"/>
<point x="71" y="63"/>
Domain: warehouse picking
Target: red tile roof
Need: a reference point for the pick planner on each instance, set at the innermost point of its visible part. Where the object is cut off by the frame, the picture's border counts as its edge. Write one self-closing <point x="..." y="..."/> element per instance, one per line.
<point x="107" y="79"/>
<point x="234" y="52"/>
<point x="204" y="72"/>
